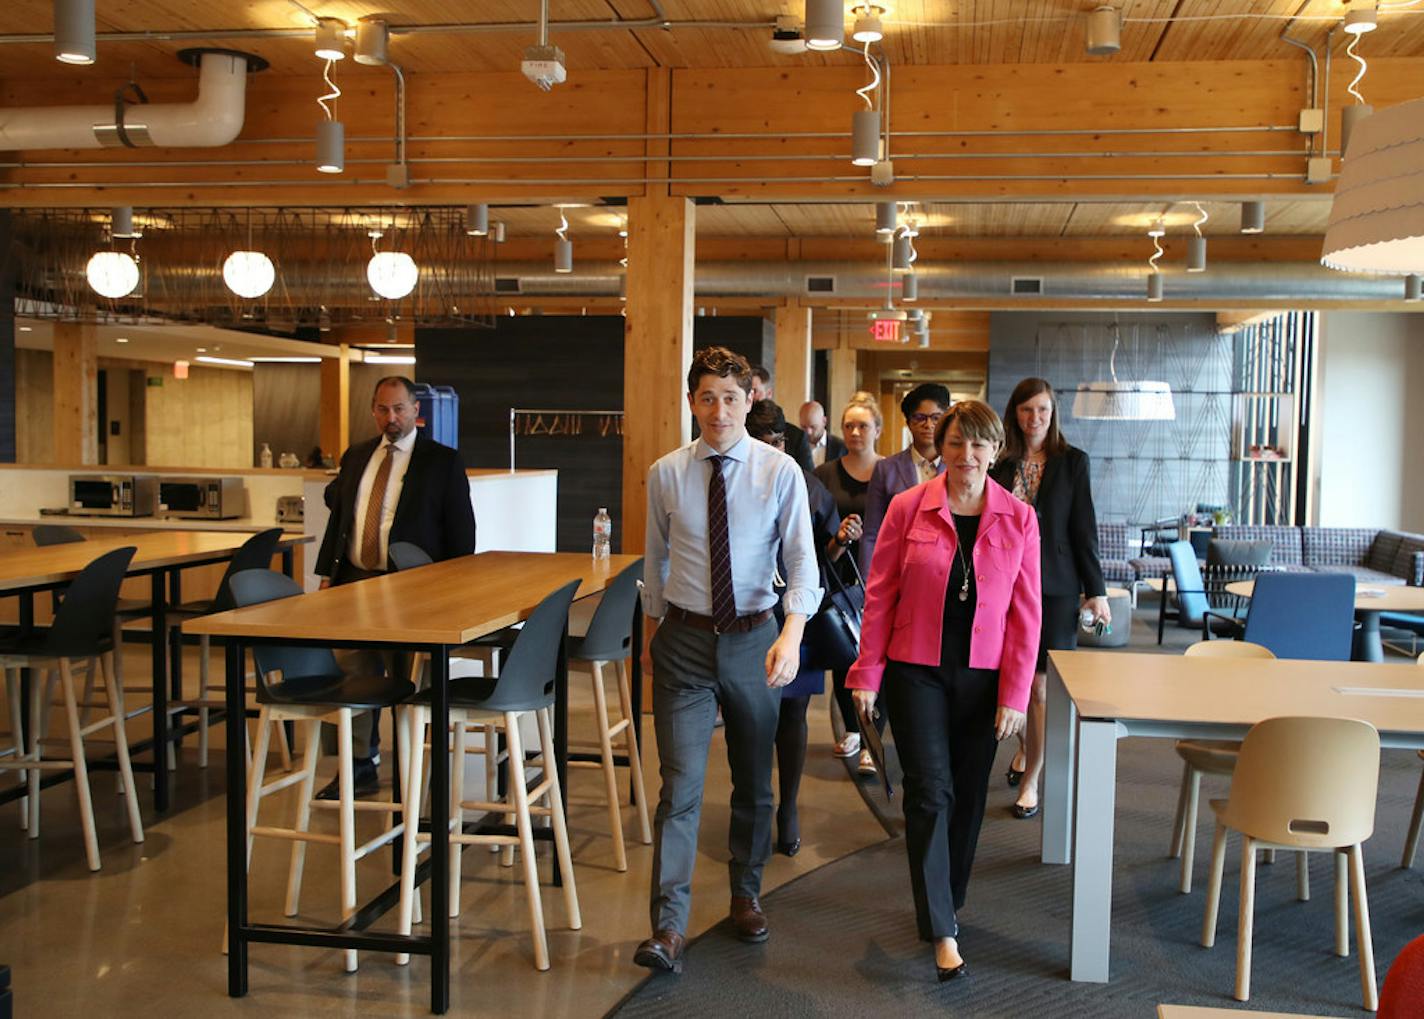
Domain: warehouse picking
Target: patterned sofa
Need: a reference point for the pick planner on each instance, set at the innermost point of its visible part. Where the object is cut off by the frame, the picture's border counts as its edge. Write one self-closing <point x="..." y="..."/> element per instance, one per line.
<point x="1373" y="556"/>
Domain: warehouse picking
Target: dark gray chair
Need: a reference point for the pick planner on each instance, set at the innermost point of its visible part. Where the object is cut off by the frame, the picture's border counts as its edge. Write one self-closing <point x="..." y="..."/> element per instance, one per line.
<point x="83" y="628"/>
<point x="525" y="686"/>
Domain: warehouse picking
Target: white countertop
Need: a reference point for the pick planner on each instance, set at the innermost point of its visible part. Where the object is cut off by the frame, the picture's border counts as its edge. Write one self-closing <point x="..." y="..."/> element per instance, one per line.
<point x="151" y="523"/>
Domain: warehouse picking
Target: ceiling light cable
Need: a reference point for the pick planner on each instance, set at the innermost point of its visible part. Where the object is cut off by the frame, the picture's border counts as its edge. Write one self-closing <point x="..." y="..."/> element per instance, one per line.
<point x="333" y="95"/>
<point x="1202" y="218"/>
<point x="874" y="82"/>
<point x="1350" y="52"/>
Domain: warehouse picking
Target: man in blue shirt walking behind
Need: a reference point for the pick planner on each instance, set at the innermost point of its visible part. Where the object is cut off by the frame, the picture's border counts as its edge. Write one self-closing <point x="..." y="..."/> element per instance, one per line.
<point x="719" y="510"/>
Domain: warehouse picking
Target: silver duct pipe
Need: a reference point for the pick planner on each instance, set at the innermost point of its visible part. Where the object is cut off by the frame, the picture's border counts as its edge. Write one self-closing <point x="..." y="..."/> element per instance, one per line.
<point x="1076" y="280"/>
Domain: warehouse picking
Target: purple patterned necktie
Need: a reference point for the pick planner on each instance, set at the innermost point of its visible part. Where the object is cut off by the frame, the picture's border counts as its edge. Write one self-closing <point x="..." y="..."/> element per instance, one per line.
<point x="724" y="602"/>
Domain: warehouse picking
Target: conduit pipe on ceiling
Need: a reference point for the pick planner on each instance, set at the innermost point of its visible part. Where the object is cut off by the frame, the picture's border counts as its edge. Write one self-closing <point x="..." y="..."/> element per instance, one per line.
<point x="211" y="120"/>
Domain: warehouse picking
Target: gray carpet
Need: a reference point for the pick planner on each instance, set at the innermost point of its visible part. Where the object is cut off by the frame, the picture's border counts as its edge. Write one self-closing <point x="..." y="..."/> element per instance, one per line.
<point x="843" y="938"/>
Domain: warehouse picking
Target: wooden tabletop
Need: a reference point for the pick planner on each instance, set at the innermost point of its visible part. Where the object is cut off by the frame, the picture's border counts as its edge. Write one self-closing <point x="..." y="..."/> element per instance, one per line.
<point x="1368" y="598"/>
<point x="1231" y="691"/>
<point x="450" y="602"/>
<point x="1198" y="1012"/>
<point x="55" y="564"/>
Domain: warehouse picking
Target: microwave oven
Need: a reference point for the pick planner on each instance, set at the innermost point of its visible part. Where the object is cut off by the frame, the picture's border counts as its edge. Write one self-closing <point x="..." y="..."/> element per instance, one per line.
<point x="206" y="498"/>
<point x="113" y="495"/>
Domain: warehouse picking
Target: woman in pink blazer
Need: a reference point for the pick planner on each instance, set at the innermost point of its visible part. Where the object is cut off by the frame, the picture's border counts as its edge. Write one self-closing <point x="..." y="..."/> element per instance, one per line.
<point x="950" y="637"/>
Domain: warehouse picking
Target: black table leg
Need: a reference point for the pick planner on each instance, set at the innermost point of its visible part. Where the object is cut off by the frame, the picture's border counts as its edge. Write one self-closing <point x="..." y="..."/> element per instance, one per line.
<point x="561" y="738"/>
<point x="175" y="655"/>
<point x="439" y="830"/>
<point x="160" y="694"/>
<point x="635" y="689"/>
<point x="236" y="723"/>
<point x="289" y="562"/>
<point x="27" y="623"/>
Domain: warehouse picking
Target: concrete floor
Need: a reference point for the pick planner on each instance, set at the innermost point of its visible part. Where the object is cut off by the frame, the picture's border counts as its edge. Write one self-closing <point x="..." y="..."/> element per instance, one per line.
<point x="141" y="937"/>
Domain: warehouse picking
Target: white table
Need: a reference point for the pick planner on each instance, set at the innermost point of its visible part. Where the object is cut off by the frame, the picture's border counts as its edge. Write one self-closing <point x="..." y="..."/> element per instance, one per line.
<point x="1095" y="698"/>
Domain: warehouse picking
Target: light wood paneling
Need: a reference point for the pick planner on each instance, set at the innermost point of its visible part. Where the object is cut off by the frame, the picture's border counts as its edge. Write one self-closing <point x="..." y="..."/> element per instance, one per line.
<point x="205" y="419"/>
<point x="793" y="358"/>
<point x="76" y="397"/>
<point x="34" y="407"/>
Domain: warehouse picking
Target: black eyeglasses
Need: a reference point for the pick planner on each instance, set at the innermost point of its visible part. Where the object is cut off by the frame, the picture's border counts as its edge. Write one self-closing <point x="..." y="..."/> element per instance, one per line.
<point x="919" y="419"/>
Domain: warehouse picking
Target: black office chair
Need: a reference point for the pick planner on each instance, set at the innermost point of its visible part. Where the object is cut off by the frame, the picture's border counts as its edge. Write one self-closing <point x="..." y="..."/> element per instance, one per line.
<point x="83" y="628"/>
<point x="254" y="554"/>
<point x="406" y="555"/>
<point x="526" y="685"/>
<point x="610" y="640"/>
<point x="306" y="685"/>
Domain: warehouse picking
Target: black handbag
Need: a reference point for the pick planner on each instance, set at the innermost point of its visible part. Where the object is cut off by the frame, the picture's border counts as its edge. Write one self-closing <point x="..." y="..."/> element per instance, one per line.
<point x="832" y="638"/>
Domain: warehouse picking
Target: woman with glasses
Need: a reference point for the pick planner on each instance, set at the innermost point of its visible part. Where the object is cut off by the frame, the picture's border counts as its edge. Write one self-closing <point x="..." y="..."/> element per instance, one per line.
<point x="949" y="642"/>
<point x="1042" y="470"/>
<point x="923" y="407"/>
<point x="848" y="479"/>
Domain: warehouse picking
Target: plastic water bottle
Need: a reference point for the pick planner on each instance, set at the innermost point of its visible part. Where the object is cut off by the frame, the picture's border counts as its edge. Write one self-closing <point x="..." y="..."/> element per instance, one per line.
<point x="264" y="458"/>
<point x="602" y="534"/>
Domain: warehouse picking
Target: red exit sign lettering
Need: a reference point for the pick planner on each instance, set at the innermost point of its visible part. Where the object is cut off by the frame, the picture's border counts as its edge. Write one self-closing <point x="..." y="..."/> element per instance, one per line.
<point x="885" y="330"/>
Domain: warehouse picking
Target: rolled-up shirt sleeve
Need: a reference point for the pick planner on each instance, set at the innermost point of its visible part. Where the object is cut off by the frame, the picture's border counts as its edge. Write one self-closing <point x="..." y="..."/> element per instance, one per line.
<point x="798" y="551"/>
<point x="655" y="556"/>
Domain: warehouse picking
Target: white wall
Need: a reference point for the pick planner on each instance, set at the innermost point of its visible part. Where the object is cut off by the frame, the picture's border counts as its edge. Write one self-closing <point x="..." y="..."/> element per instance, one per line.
<point x="1369" y="425"/>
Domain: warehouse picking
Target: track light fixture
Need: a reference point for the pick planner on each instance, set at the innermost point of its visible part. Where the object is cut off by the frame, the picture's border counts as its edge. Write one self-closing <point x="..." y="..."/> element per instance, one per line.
<point x="1104" y="31"/>
<point x="825" y="25"/>
<point x="865" y="124"/>
<point x="372" y="42"/>
<point x="886" y="219"/>
<point x="868" y="27"/>
<point x="1158" y="228"/>
<point x="329" y="40"/>
<point x="330" y="134"/>
<point x="497" y="231"/>
<point x="121" y="224"/>
<point x="74" y="31"/>
<point x="1154" y="281"/>
<point x="477" y="220"/>
<point x="909" y="287"/>
<point x="1253" y="217"/>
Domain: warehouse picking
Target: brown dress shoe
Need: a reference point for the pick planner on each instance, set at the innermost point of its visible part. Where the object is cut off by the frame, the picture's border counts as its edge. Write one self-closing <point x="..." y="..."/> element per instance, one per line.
<point x="663" y="951"/>
<point x="748" y="919"/>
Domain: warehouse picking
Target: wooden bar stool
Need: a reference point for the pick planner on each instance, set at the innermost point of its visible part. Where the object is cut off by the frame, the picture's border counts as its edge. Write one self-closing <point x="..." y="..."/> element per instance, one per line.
<point x="1416" y="819"/>
<point x="306" y="685"/>
<point x="609" y="641"/>
<point x="83" y="628"/>
<point x="525" y="686"/>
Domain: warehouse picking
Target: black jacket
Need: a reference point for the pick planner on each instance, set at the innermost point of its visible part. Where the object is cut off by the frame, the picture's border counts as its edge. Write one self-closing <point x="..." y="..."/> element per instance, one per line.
<point x="1067" y="523"/>
<point x="434" y="510"/>
<point x="798" y="447"/>
<point x="835" y="447"/>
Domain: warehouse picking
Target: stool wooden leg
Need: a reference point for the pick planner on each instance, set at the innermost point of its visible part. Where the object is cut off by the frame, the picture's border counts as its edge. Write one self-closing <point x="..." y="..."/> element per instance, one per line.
<point x="204" y="644"/>
<point x="17" y="737"/>
<point x="1189" y="829"/>
<point x="39" y="691"/>
<point x="1213" y="888"/>
<point x="635" y="760"/>
<point x="490" y="736"/>
<point x="1342" y="903"/>
<point x="1302" y="876"/>
<point x="1248" y="916"/>
<point x="81" y="768"/>
<point x="457" y="796"/>
<point x="284" y="749"/>
<point x="121" y="744"/>
<point x="347" y="810"/>
<point x="519" y="790"/>
<point x="302" y="823"/>
<point x="1364" y="940"/>
<point x="561" y="824"/>
<point x="88" y="698"/>
<point x="410" y="848"/>
<point x="610" y="775"/>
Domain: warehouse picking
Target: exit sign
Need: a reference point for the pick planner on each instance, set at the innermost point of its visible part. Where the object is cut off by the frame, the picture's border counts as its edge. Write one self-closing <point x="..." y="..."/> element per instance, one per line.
<point x="885" y="330"/>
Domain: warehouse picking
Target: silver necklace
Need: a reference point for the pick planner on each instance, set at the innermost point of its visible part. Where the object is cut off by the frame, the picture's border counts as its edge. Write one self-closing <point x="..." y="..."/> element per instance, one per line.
<point x="959" y="550"/>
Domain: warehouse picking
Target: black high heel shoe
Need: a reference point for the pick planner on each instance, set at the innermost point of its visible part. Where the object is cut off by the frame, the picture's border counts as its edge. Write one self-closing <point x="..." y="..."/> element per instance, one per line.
<point x="1014" y="776"/>
<point x="953" y="973"/>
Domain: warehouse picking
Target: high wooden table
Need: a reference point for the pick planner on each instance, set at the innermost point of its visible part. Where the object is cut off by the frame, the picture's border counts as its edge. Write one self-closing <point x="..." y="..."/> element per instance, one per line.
<point x="431" y="610"/>
<point x="1095" y="698"/>
<point x="1370" y="601"/>
<point x="161" y="555"/>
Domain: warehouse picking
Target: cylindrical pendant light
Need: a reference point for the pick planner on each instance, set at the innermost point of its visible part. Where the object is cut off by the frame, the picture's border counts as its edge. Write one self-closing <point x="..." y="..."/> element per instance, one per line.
<point x="1154" y="287"/>
<point x="825" y="24"/>
<point x="1349" y="117"/>
<point x="121" y="222"/>
<point x="1104" y="32"/>
<point x="74" y="31"/>
<point x="497" y="231"/>
<point x="330" y="146"/>
<point x="1411" y="288"/>
<point x="372" y="42"/>
<point x="867" y="28"/>
<point x="886" y="219"/>
<point x="329" y="40"/>
<point x="477" y="220"/>
<point x="900" y="257"/>
<point x="865" y="137"/>
<point x="563" y="255"/>
<point x="909" y="287"/>
<point x="1196" y="254"/>
<point x="1253" y="217"/>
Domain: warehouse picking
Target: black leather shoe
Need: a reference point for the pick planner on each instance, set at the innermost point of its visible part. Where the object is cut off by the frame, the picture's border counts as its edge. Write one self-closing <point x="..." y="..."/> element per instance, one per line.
<point x="749" y="920"/>
<point x="953" y="973"/>
<point x="663" y="951"/>
<point x="365" y="781"/>
<point x="1013" y="776"/>
<point x="1024" y="813"/>
<point x="789" y="848"/>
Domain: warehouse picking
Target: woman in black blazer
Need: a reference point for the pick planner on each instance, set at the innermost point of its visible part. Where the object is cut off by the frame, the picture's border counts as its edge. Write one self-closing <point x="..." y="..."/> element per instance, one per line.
<point x="1041" y="469"/>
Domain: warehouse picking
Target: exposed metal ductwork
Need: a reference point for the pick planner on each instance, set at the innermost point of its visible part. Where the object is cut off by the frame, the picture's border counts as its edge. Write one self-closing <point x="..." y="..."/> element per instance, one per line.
<point x="1299" y="281"/>
<point x="213" y="119"/>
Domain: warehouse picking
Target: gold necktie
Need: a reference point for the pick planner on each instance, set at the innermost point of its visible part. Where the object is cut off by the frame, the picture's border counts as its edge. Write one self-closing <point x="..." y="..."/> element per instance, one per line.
<point x="375" y="503"/>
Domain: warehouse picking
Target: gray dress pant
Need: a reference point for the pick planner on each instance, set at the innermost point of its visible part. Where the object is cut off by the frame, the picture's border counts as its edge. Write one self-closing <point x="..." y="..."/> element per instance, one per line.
<point x="695" y="670"/>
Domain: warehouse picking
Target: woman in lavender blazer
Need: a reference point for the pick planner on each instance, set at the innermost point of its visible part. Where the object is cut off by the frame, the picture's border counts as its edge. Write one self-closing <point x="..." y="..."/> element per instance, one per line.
<point x="950" y="640"/>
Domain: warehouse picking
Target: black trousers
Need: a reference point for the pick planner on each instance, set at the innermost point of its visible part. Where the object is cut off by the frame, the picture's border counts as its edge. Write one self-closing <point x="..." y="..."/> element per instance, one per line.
<point x="365" y="735"/>
<point x="943" y="722"/>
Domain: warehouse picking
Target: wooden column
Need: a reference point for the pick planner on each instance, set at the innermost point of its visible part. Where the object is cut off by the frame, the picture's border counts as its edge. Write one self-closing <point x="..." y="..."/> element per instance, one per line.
<point x="657" y="347"/>
<point x="76" y="397"/>
<point x="336" y="402"/>
<point x="793" y="358"/>
<point x="840" y="382"/>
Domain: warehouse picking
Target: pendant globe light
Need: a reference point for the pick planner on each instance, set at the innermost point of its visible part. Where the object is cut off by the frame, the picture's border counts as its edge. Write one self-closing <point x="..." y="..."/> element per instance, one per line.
<point x="249" y="274"/>
<point x="392" y="274"/>
<point x="112" y="274"/>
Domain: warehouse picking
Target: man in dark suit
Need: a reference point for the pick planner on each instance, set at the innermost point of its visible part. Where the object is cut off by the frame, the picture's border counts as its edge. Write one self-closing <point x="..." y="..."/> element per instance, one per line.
<point x="797" y="446"/>
<point x="922" y="406"/>
<point x="825" y="447"/>
<point x="399" y="486"/>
